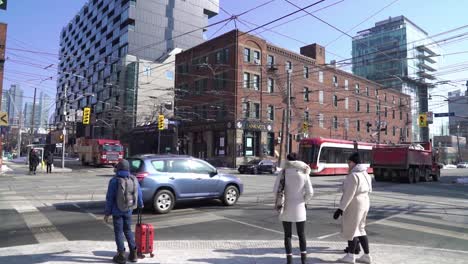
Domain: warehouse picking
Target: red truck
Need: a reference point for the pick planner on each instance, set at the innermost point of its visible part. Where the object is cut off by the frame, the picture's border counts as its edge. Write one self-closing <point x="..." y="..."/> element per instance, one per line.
<point x="410" y="162"/>
<point x="99" y="151"/>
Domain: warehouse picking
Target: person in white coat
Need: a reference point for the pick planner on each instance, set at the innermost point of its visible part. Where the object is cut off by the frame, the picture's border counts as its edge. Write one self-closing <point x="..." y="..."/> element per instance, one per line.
<point x="297" y="191"/>
<point x="354" y="207"/>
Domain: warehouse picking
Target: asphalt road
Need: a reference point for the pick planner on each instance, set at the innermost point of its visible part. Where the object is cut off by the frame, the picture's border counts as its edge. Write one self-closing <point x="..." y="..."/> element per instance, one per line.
<point x="60" y="207"/>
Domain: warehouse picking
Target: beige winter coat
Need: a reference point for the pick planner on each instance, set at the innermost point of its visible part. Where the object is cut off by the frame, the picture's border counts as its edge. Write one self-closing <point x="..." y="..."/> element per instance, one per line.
<point x="355" y="202"/>
<point x="298" y="190"/>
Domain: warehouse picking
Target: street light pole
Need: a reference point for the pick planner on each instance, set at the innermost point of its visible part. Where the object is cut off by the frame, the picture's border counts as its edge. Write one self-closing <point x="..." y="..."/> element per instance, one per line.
<point x="378" y="125"/>
<point x="288" y="113"/>
<point x="64" y="131"/>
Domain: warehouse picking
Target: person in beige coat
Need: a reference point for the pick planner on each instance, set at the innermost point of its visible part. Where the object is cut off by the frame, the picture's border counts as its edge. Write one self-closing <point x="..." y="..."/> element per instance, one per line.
<point x="354" y="207"/>
<point x="297" y="191"/>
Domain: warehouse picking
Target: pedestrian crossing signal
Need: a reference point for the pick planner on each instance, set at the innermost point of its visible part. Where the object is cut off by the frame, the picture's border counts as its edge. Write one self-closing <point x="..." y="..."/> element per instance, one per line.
<point x="161" y="122"/>
<point x="86" y="115"/>
<point x="422" y="120"/>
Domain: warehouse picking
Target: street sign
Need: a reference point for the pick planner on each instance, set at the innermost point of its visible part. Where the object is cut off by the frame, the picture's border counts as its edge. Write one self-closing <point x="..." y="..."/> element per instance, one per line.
<point x="3" y="119"/>
<point x="444" y="114"/>
<point x="429" y="117"/>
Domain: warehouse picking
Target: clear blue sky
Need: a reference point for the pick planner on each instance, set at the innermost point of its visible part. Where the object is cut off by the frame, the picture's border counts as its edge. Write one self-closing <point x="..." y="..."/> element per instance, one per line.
<point x="35" y="25"/>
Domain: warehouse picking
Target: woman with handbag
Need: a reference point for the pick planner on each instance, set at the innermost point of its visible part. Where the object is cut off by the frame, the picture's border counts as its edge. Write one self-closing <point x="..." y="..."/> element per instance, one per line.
<point x="292" y="190"/>
<point x="354" y="207"/>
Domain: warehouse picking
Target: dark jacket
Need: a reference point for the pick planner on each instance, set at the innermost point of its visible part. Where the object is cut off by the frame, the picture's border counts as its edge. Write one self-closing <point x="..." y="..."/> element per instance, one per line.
<point x="33" y="158"/>
<point x="50" y="158"/>
<point x="111" y="202"/>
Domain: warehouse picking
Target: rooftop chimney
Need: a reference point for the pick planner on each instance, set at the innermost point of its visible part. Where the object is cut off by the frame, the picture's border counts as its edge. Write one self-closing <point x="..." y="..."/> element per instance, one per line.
<point x="314" y="51"/>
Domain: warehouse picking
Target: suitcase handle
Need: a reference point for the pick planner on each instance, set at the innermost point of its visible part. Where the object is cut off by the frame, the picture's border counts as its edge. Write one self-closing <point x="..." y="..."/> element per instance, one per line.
<point x="139" y="216"/>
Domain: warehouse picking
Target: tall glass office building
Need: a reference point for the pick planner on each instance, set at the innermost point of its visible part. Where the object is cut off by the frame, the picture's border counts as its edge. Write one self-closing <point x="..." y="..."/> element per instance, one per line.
<point x="399" y="55"/>
<point x="102" y="45"/>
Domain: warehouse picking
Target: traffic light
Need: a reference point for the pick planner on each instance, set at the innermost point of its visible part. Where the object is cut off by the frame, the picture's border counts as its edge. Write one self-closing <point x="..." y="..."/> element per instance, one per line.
<point x="422" y="120"/>
<point x="305" y="127"/>
<point x="86" y="115"/>
<point x="161" y="122"/>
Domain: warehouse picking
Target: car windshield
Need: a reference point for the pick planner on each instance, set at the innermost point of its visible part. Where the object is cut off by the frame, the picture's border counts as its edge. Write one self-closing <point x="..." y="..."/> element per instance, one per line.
<point x="253" y="162"/>
<point x="107" y="147"/>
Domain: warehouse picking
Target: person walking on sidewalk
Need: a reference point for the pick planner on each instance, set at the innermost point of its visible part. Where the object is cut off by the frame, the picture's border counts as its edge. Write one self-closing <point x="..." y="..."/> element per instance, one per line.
<point x="49" y="161"/>
<point x="295" y="181"/>
<point x="33" y="161"/>
<point x="123" y="195"/>
<point x="354" y="206"/>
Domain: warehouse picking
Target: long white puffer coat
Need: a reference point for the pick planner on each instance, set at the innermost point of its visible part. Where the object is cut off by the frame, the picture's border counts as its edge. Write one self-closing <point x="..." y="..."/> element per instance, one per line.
<point x="298" y="190"/>
<point x="355" y="202"/>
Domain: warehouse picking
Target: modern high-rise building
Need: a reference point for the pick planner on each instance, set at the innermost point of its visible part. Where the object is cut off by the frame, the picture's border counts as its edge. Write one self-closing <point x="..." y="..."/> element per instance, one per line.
<point x="45" y="104"/>
<point x="101" y="47"/>
<point x="28" y="115"/>
<point x="398" y="54"/>
<point x="15" y="103"/>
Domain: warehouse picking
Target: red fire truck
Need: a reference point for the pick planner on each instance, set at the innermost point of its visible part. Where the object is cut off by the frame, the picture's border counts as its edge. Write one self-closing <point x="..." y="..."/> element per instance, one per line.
<point x="410" y="162"/>
<point x="99" y="151"/>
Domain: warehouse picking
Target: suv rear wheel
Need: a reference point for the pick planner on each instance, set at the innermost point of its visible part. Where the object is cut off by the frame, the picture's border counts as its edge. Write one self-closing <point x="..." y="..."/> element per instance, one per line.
<point x="163" y="202"/>
<point x="230" y="196"/>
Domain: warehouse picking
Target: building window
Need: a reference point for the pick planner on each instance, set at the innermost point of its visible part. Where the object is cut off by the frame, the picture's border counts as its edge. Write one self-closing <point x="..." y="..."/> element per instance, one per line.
<point x="356" y="88"/>
<point x="358" y="125"/>
<point x="256" y="113"/>
<point x="306" y="72"/>
<point x="401" y="115"/>
<point x="377" y="109"/>
<point x="346" y="123"/>
<point x="270" y="61"/>
<point x="246" y="80"/>
<point x="393" y="99"/>
<point x="271" y="85"/>
<point x="321" y="119"/>
<point x="245" y="110"/>
<point x="335" y="81"/>
<point x="368" y="108"/>
<point x="407" y="117"/>
<point x="367" y="91"/>
<point x="385" y="111"/>
<point x="335" y="122"/>
<point x="335" y="100"/>
<point x="306" y="116"/>
<point x="346" y="85"/>
<point x="219" y="57"/>
<point x="320" y="73"/>
<point x="306" y="94"/>
<point x="271" y="112"/>
<point x="394" y="131"/>
<point x="288" y="65"/>
<point x="368" y="126"/>
<point x="246" y="55"/>
<point x="385" y="97"/>
<point x="320" y="97"/>
<point x="256" y="55"/>
<point x="358" y="106"/>
<point x="376" y="93"/>
<point x="256" y="82"/>
<point x="393" y="114"/>
<point x="346" y="103"/>
<point x="271" y="144"/>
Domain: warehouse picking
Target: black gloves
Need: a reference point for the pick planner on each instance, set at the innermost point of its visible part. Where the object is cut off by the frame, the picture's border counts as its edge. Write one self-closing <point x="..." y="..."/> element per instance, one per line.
<point x="337" y="213"/>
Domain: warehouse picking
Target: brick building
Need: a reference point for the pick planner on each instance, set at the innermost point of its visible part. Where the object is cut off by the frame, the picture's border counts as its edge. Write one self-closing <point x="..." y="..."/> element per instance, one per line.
<point x="231" y="93"/>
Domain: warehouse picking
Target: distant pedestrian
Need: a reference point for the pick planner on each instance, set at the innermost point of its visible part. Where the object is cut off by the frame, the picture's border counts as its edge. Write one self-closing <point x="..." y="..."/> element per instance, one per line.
<point x="354" y="206"/>
<point x="49" y="161"/>
<point x="33" y="161"/>
<point x="294" y="179"/>
<point x="123" y="195"/>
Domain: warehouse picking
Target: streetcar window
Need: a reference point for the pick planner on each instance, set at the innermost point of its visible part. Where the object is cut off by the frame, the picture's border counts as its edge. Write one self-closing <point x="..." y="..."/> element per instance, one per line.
<point x="308" y="153"/>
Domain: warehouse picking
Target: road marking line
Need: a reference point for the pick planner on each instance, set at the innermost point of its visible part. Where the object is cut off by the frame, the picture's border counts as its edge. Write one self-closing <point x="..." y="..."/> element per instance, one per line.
<point x="433" y="220"/>
<point x="425" y="229"/>
<point x="93" y="215"/>
<point x="256" y="226"/>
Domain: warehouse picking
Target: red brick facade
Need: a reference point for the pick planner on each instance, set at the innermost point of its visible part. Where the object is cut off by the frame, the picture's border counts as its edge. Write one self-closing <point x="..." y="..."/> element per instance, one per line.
<point x="225" y="99"/>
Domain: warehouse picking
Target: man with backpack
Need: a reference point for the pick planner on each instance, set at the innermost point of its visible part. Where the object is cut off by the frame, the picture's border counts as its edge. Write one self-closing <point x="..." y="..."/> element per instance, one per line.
<point x="123" y="195"/>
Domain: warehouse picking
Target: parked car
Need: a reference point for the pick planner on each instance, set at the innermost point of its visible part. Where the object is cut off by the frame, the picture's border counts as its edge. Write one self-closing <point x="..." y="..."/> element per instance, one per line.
<point x="449" y="166"/>
<point x="258" y="166"/>
<point x="462" y="165"/>
<point x="168" y="179"/>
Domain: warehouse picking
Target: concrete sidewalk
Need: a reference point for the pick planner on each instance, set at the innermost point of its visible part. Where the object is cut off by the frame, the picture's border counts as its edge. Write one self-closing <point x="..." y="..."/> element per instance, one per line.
<point x="221" y="252"/>
<point x="23" y="169"/>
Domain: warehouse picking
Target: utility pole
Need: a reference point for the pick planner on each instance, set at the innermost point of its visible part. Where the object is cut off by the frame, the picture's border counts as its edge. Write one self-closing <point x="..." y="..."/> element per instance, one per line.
<point x="64" y="131"/>
<point x="32" y="114"/>
<point x="378" y="125"/>
<point x="458" y="142"/>
<point x="19" y="134"/>
<point x="288" y="113"/>
<point x="159" y="132"/>
<point x="281" y="138"/>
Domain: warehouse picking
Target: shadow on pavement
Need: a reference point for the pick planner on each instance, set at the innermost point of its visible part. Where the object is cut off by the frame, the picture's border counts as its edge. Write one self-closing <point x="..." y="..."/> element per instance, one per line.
<point x="56" y="257"/>
<point x="259" y="255"/>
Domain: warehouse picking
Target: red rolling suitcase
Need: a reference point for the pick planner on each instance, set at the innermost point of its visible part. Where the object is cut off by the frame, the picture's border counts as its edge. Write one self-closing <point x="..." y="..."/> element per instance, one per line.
<point x="144" y="236"/>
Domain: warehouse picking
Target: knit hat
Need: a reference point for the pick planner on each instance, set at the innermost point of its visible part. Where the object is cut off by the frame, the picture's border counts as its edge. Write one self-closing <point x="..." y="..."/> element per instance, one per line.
<point x="292" y="156"/>
<point x="123" y="165"/>
<point x="355" y="158"/>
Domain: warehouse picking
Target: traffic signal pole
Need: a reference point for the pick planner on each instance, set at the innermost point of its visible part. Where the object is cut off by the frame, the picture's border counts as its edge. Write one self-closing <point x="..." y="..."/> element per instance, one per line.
<point x="65" y="101"/>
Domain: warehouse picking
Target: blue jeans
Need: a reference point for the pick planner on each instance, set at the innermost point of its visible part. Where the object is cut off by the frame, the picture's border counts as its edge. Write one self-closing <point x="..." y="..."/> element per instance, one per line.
<point x="123" y="226"/>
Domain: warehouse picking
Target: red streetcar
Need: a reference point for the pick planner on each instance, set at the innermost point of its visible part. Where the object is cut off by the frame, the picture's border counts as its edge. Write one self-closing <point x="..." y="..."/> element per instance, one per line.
<point x="330" y="156"/>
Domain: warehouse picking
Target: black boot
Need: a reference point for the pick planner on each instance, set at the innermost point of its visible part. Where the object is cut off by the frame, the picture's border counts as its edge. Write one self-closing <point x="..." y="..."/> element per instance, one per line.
<point x="132" y="257"/>
<point x="120" y="258"/>
<point x="303" y="258"/>
<point x="289" y="259"/>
